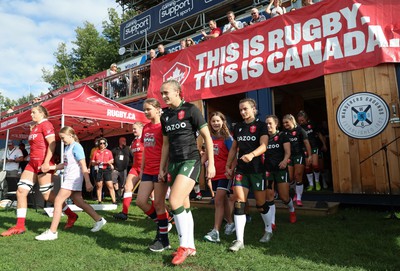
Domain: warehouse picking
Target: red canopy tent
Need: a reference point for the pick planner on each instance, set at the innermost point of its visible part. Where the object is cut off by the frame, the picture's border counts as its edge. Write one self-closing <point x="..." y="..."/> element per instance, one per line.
<point x="88" y="112"/>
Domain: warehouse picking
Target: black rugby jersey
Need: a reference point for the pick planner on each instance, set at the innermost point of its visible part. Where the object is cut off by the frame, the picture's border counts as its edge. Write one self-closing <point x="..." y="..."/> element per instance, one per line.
<point x="296" y="137"/>
<point x="248" y="139"/>
<point x="181" y="125"/>
<point x="275" y="151"/>
<point x="312" y="133"/>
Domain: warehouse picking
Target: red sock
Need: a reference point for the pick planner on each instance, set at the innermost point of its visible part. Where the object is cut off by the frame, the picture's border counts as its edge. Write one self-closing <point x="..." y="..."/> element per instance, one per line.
<point x="20" y="222"/>
<point x="69" y="212"/>
<point x="152" y="213"/>
<point x="126" y="202"/>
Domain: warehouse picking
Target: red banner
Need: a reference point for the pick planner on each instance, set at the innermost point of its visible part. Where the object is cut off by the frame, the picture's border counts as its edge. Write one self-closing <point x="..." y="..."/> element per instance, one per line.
<point x="327" y="37"/>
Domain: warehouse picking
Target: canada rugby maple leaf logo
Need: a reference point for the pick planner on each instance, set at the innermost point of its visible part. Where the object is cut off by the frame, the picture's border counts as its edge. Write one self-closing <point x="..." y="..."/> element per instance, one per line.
<point x="178" y="71"/>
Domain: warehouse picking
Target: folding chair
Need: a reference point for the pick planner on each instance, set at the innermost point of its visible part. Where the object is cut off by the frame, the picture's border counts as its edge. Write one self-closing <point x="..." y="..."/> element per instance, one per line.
<point x="12" y="191"/>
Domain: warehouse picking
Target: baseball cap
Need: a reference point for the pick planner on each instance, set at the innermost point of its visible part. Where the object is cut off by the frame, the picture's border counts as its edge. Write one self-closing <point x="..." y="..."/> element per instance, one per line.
<point x="10" y="142"/>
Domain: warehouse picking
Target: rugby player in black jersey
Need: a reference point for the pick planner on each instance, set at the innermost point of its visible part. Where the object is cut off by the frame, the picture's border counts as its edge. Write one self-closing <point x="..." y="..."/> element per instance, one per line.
<point x="250" y="138"/>
<point x="315" y="138"/>
<point x="275" y="162"/>
<point x="298" y="141"/>
<point x="180" y="123"/>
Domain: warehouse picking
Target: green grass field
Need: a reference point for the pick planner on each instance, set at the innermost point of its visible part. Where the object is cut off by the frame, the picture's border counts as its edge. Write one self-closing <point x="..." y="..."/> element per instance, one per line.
<point x="352" y="239"/>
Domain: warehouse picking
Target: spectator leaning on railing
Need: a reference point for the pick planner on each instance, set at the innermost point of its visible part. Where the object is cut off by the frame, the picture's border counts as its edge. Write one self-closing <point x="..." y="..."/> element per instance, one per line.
<point x="215" y="31"/>
<point x="256" y="17"/>
<point x="233" y="25"/>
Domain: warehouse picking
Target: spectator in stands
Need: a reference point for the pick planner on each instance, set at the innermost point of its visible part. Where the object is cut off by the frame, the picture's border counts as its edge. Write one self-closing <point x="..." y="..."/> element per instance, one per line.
<point x="305" y="3"/>
<point x="152" y="55"/>
<point x="256" y="17"/>
<point x="11" y="109"/>
<point x="98" y="86"/>
<point x="161" y="51"/>
<point x="277" y="9"/>
<point x="114" y="84"/>
<point x="189" y="42"/>
<point x="25" y="153"/>
<point x="233" y="25"/>
<point x="183" y="44"/>
<point x="215" y="31"/>
<point x="36" y="100"/>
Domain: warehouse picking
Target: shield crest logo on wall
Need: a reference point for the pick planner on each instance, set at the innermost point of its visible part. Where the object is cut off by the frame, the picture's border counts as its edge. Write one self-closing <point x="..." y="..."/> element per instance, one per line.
<point x="178" y="71"/>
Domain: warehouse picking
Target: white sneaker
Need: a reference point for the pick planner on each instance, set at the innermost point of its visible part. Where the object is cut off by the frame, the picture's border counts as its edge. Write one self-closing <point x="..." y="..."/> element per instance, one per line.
<point x="229" y="228"/>
<point x="47" y="236"/>
<point x="266" y="237"/>
<point x="212" y="236"/>
<point x="236" y="246"/>
<point x="98" y="225"/>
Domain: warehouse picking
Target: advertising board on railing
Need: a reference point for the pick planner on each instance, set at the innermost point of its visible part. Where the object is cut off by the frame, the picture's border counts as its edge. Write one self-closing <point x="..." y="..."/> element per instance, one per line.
<point x="161" y="16"/>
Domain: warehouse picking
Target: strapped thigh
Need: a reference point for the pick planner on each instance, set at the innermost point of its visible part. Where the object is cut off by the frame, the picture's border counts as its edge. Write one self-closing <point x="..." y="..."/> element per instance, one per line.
<point x="25" y="184"/>
<point x="46" y="188"/>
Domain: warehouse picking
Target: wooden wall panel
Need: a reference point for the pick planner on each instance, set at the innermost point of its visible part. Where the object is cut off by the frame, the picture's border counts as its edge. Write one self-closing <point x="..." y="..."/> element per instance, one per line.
<point x="368" y="168"/>
<point x="385" y="75"/>
<point x="349" y="176"/>
<point x="340" y="157"/>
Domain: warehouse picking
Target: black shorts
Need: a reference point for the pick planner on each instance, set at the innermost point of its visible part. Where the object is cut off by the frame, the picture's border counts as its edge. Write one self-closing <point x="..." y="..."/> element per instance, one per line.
<point x="222" y="184"/>
<point x="104" y="175"/>
<point x="149" y="178"/>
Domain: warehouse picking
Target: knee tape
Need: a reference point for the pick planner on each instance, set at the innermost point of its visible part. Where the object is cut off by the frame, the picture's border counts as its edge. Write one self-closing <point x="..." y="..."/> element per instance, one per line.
<point x="25" y="184"/>
<point x="46" y="188"/>
<point x="239" y="208"/>
<point x="263" y="208"/>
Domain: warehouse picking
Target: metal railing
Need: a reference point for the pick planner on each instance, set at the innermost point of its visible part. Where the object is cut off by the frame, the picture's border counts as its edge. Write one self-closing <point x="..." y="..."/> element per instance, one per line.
<point x="128" y="83"/>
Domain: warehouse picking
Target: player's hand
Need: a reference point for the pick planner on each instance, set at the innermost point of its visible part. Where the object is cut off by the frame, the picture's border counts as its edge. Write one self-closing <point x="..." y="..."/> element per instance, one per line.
<point x="89" y="186"/>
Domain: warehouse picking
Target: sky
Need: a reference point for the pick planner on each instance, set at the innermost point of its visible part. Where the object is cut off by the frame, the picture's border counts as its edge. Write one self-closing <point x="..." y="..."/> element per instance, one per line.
<point x="30" y="32"/>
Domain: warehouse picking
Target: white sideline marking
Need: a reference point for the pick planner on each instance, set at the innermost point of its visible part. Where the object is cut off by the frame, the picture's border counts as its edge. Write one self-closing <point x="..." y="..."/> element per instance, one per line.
<point x="73" y="207"/>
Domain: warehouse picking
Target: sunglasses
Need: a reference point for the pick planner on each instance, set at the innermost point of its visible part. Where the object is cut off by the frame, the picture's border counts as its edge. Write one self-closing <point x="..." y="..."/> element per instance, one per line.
<point x="253" y="13"/>
<point x="102" y="143"/>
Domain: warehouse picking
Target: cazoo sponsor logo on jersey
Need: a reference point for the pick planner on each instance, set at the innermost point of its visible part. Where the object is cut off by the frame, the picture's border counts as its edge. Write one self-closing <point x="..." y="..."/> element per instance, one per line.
<point x="175" y="126"/>
<point x="246" y="138"/>
<point x="273" y="146"/>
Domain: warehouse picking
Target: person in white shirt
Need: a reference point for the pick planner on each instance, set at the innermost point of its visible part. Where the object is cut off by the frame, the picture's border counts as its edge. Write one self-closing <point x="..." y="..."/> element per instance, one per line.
<point x="13" y="157"/>
<point x="276" y="10"/>
<point x="232" y="25"/>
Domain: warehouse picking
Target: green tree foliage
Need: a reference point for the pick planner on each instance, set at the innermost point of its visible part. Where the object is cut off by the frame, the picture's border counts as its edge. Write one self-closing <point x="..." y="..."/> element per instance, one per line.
<point x="63" y="67"/>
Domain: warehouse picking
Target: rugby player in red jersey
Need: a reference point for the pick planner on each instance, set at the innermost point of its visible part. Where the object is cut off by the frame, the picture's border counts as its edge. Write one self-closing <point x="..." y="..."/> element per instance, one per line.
<point x="42" y="141"/>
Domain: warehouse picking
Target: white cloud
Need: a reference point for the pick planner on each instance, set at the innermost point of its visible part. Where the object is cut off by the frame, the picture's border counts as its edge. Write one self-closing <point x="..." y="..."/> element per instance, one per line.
<point x="31" y="31"/>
